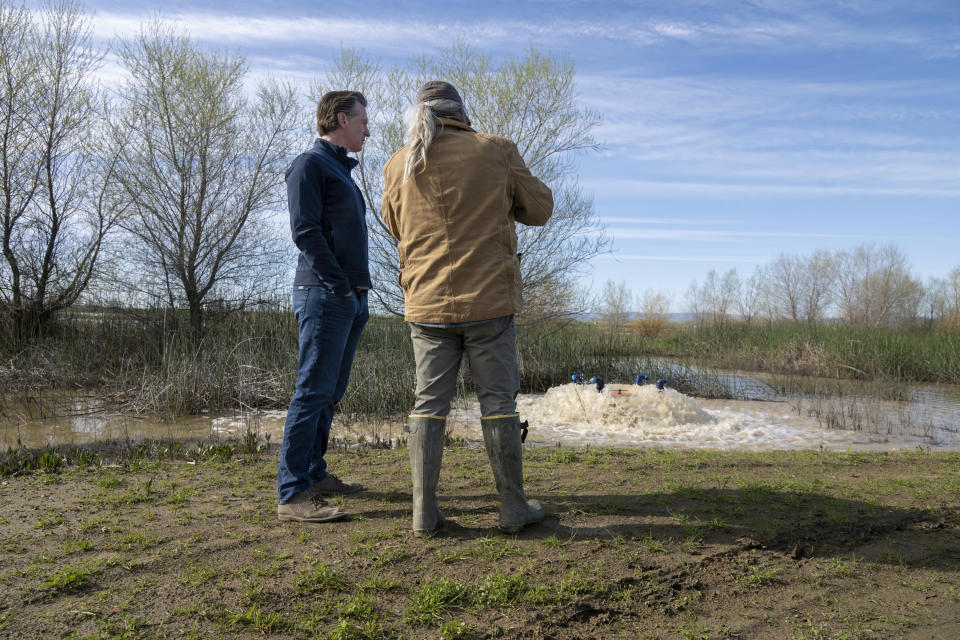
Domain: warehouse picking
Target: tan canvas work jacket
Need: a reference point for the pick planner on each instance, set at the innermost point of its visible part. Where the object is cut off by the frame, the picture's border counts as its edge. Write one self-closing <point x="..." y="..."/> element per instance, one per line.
<point x="454" y="222"/>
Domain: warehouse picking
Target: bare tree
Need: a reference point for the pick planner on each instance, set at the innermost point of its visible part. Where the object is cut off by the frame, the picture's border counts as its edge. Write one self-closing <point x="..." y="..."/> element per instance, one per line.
<point x="201" y="164"/>
<point x="783" y="281"/>
<point x="729" y="293"/>
<point x="817" y="288"/>
<point x="614" y="304"/>
<point x="55" y="184"/>
<point x="751" y="295"/>
<point x="713" y="300"/>
<point x="653" y="316"/>
<point x="936" y="306"/>
<point x="529" y="99"/>
<point x="949" y="317"/>
<point x="875" y="286"/>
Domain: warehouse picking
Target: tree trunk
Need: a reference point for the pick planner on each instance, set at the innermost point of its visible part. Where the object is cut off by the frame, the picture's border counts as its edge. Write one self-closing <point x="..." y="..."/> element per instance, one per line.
<point x="196" y="320"/>
<point x="30" y="323"/>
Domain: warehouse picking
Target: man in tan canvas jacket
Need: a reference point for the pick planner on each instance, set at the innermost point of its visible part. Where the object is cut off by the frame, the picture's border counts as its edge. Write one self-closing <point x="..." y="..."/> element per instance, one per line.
<point x="451" y="199"/>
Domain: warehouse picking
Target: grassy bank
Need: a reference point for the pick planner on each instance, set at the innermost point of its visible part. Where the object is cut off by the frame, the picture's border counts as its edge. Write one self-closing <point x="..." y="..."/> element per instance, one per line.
<point x="828" y="350"/>
<point x="184" y="543"/>
<point x="145" y="361"/>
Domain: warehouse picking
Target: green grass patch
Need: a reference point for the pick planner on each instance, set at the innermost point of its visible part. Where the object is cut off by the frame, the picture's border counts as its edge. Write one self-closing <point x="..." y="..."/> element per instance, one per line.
<point x="367" y="630"/>
<point x="321" y="578"/>
<point x="49" y="522"/>
<point x="75" y="546"/>
<point x="456" y="630"/>
<point x="501" y="590"/>
<point x="435" y="598"/>
<point x="379" y="555"/>
<point x="361" y="608"/>
<point x="265" y="622"/>
<point x="69" y="579"/>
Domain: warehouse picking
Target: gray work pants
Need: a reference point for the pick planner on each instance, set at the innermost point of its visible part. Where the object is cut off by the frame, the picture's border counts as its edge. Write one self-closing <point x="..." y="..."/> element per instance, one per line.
<point x="491" y="350"/>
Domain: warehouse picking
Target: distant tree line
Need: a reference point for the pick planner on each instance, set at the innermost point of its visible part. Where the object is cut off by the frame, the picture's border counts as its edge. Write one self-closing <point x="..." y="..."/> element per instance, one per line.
<point x="868" y="285"/>
<point x="163" y="189"/>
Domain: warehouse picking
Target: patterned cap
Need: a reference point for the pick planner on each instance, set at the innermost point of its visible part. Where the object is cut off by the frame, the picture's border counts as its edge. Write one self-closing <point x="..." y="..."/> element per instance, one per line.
<point x="438" y="90"/>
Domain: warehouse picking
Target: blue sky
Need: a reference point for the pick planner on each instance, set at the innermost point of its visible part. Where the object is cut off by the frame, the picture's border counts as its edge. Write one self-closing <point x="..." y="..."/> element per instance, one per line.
<point x="733" y="131"/>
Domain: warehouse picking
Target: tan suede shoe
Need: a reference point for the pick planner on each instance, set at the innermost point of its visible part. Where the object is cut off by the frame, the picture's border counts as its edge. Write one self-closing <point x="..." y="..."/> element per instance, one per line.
<point x="309" y="507"/>
<point x="333" y="485"/>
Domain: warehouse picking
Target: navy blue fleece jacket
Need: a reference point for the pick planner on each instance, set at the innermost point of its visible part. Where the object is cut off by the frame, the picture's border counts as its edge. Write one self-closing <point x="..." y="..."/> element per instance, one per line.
<point x="328" y="220"/>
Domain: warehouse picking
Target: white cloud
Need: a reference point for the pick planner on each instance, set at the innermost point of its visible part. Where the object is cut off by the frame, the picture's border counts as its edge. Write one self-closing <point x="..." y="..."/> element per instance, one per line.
<point x="712" y="235"/>
<point x="679" y="257"/>
<point x="718" y="28"/>
<point x="726" y="236"/>
<point x="740" y="135"/>
<point x="673" y="221"/>
<point x="616" y="187"/>
<point x="288" y="31"/>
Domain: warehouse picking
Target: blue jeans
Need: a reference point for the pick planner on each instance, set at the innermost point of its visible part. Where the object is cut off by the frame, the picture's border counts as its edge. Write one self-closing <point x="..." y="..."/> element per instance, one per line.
<point x="330" y="328"/>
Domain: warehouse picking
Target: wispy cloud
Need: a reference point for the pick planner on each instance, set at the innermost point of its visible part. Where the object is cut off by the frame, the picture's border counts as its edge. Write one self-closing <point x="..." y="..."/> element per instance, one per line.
<point x="638" y="188"/>
<point x="724" y="135"/>
<point x="724" y="236"/>
<point x="652" y="110"/>
<point x="682" y="257"/>
<point x="383" y="35"/>
<point x="713" y="235"/>
<point x="670" y="221"/>
<point x="395" y="30"/>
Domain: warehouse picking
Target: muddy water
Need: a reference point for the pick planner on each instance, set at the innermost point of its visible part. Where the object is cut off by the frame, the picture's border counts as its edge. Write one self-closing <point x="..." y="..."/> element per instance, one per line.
<point x="568" y="415"/>
<point x="623" y="415"/>
<point x="65" y="418"/>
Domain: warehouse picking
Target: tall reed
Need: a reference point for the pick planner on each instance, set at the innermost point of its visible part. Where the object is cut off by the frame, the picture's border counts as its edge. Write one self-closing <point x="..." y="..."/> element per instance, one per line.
<point x="147" y="360"/>
<point x="827" y="350"/>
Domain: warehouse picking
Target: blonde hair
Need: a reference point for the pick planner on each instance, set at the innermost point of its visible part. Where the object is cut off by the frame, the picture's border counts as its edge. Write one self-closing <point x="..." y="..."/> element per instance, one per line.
<point x="424" y="124"/>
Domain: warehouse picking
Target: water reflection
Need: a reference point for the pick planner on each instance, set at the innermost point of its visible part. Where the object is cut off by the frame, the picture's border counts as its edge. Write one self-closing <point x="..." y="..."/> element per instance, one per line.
<point x="52" y="418"/>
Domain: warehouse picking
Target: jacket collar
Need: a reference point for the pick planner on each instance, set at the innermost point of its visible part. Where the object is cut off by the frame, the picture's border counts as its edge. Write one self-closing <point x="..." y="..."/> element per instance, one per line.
<point x="456" y="124"/>
<point x="338" y="152"/>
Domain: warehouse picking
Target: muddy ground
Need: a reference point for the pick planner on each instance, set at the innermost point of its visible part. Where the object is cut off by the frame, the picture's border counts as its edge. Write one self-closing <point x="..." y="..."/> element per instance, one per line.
<point x="636" y="544"/>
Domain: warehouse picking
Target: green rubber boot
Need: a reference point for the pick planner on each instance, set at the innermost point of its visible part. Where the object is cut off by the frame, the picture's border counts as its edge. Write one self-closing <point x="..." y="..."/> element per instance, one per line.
<point x="501" y="435"/>
<point x="426" y="453"/>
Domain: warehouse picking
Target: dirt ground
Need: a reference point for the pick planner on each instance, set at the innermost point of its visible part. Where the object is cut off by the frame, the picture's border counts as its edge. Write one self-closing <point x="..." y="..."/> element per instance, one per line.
<point x="636" y="544"/>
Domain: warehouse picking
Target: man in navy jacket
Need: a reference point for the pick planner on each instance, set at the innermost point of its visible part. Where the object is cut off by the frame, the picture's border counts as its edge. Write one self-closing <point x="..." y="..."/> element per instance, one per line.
<point x="328" y="225"/>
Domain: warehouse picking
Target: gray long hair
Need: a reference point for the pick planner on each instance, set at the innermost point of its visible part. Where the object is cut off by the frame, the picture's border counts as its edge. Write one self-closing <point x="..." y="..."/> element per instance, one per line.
<point x="424" y="124"/>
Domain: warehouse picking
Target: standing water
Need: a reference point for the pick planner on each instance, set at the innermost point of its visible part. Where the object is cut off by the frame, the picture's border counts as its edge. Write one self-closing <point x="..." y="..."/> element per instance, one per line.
<point x="567" y="415"/>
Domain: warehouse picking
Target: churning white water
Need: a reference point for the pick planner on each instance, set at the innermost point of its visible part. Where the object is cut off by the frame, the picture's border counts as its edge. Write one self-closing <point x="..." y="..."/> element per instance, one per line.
<point x="631" y="408"/>
<point x="626" y="415"/>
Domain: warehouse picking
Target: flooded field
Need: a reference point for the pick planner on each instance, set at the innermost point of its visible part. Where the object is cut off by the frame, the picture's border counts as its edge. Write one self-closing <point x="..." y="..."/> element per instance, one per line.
<point x="571" y="415"/>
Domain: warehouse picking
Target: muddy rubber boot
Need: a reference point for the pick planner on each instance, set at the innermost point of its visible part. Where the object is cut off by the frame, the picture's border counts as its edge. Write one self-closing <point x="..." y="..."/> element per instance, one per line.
<point x="501" y="435"/>
<point x="426" y="453"/>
